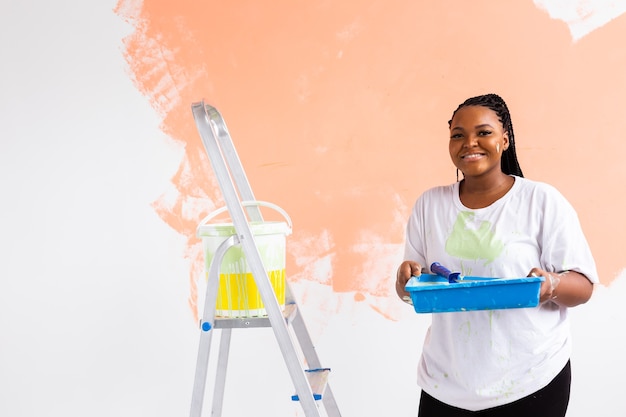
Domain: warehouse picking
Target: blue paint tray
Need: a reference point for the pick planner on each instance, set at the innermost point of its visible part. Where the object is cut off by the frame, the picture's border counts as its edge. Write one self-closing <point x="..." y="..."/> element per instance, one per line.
<point x="435" y="294"/>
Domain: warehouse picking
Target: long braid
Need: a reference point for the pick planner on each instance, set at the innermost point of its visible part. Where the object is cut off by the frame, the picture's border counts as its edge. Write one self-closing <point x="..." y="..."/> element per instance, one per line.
<point x="508" y="163"/>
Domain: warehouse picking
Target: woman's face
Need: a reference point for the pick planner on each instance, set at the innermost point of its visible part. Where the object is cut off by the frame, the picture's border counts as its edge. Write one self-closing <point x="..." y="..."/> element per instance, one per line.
<point x="477" y="140"/>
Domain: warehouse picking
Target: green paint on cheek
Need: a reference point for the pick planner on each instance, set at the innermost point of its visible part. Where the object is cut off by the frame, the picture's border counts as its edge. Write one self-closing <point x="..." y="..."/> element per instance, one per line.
<point x="473" y="240"/>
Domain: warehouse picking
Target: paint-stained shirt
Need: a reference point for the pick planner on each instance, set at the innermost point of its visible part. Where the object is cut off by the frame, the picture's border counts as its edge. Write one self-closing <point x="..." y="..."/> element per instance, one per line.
<point x="481" y="359"/>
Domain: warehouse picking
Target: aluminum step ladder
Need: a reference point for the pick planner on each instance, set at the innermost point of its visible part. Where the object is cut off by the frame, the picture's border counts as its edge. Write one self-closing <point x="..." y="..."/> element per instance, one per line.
<point x="238" y="195"/>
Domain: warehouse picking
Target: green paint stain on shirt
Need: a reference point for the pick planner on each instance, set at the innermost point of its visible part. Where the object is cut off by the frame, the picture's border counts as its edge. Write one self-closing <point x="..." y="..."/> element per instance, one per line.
<point x="473" y="240"/>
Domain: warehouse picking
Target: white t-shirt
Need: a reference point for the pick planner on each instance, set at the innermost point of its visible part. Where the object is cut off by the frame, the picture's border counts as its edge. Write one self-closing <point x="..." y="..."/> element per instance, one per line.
<point x="481" y="359"/>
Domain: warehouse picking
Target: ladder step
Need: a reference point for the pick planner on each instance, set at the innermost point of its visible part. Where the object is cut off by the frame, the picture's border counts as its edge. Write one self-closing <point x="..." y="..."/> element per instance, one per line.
<point x="318" y="378"/>
<point x="316" y="397"/>
<point x="289" y="313"/>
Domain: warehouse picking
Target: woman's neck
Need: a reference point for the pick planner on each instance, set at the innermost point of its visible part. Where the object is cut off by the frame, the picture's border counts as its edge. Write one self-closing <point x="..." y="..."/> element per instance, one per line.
<point x="478" y="193"/>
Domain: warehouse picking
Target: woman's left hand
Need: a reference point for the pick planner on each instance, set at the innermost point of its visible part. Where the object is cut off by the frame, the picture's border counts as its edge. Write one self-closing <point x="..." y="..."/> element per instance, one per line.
<point x="548" y="286"/>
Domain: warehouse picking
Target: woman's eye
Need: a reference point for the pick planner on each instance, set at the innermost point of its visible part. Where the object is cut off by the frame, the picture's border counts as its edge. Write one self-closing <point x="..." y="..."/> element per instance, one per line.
<point x="456" y="136"/>
<point x="484" y="133"/>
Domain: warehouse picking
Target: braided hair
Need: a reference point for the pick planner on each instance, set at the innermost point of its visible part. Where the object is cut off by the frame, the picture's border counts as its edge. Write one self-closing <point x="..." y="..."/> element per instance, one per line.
<point x="508" y="163"/>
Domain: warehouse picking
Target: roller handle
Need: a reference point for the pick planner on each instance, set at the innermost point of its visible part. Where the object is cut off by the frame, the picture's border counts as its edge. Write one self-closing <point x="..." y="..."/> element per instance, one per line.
<point x="444" y="272"/>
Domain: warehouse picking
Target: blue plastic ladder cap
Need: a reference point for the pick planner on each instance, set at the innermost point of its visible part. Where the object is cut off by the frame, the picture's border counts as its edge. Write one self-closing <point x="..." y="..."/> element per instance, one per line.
<point x="206" y="326"/>
<point x="316" y="397"/>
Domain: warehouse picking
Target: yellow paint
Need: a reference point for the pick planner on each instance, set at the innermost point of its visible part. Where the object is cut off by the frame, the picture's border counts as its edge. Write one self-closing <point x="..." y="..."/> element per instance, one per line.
<point x="238" y="295"/>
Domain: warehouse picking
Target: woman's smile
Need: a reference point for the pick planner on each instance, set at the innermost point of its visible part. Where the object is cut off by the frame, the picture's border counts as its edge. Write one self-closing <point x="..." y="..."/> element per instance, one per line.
<point x="472" y="157"/>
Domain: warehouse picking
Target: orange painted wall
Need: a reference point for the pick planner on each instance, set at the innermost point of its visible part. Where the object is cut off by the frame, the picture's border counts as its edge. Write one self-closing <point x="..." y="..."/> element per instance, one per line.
<point x="339" y="114"/>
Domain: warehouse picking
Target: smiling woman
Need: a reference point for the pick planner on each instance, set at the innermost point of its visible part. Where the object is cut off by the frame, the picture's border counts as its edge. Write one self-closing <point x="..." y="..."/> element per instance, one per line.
<point x="496" y="223"/>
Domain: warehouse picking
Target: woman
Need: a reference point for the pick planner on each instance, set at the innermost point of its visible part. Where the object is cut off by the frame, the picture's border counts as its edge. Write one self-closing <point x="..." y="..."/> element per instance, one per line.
<point x="496" y="223"/>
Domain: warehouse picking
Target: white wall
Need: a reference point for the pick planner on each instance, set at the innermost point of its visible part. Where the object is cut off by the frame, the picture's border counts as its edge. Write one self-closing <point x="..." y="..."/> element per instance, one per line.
<point x="93" y="285"/>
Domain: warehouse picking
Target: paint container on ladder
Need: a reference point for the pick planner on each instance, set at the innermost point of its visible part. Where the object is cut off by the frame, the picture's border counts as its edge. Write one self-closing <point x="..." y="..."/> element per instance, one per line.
<point x="238" y="295"/>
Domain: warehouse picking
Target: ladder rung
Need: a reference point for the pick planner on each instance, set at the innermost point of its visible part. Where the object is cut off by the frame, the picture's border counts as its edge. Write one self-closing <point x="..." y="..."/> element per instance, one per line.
<point x="289" y="313"/>
<point x="318" y="379"/>
<point x="241" y="323"/>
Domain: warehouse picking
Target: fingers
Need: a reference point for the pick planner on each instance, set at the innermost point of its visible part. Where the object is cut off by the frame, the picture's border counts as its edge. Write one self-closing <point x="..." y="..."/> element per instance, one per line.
<point x="548" y="286"/>
<point x="406" y="270"/>
<point x="416" y="269"/>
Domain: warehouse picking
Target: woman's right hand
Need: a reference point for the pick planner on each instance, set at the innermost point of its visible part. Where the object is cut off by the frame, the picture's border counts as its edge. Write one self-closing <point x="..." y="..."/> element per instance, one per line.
<point x="406" y="270"/>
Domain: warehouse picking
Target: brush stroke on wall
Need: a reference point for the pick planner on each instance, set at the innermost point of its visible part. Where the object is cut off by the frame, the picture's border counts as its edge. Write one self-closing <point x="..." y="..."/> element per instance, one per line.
<point x="338" y="112"/>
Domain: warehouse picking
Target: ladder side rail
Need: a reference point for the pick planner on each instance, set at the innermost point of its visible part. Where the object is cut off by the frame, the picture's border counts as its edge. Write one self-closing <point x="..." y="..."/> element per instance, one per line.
<point x="312" y="359"/>
<point x="220" y="375"/>
<point x="225" y="142"/>
<point x="212" y="148"/>
<point x="246" y="239"/>
<point x="302" y="334"/>
<point x="206" y="328"/>
<point x="279" y="325"/>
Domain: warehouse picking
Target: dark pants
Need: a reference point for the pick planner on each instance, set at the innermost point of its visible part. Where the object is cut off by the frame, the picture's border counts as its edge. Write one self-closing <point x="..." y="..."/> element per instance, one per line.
<point x="550" y="401"/>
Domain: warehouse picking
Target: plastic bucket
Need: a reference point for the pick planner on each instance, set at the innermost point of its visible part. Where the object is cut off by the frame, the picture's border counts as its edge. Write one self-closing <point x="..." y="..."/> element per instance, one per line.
<point x="238" y="295"/>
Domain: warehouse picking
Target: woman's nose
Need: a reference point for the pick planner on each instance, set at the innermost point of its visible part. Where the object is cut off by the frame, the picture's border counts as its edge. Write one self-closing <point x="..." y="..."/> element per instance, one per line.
<point x="470" y="141"/>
